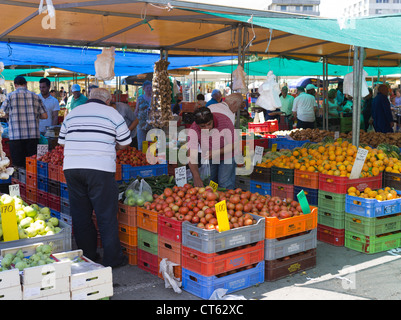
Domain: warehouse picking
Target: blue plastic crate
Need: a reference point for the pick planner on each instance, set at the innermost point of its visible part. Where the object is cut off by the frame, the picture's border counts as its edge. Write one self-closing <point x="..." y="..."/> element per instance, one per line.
<point x="263" y="188"/>
<point x="7" y="181"/>
<point x="129" y="172"/>
<point x="42" y="183"/>
<point x="291" y="144"/>
<point x="64" y="191"/>
<point x="42" y="169"/>
<point x="65" y="206"/>
<point x="312" y="195"/>
<point x="275" y="141"/>
<point x="371" y="208"/>
<point x="55" y="213"/>
<point x="203" y="287"/>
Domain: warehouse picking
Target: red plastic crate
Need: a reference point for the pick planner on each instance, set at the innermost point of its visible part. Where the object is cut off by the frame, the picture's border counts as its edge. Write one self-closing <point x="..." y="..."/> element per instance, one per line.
<point x="282" y="190"/>
<point x="31" y="179"/>
<point x="22" y="190"/>
<point x="118" y="175"/>
<point x="53" y="171"/>
<point x="268" y="126"/>
<point x="148" y="262"/>
<point x="31" y="195"/>
<point x="169" y="228"/>
<point x="306" y="179"/>
<point x="54" y="202"/>
<point x="340" y="185"/>
<point x="209" y="264"/>
<point x="176" y="269"/>
<point x="61" y="177"/>
<point x="335" y="237"/>
<point x="42" y="198"/>
<point x="169" y="249"/>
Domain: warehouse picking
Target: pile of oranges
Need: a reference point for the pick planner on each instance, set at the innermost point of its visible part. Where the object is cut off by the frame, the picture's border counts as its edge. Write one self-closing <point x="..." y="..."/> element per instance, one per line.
<point x="337" y="159"/>
<point x="381" y="194"/>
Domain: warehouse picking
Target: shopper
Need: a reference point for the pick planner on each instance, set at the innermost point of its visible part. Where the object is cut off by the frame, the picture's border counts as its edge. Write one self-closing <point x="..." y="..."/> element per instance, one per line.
<point x="333" y="108"/>
<point x="305" y="108"/>
<point x="216" y="147"/>
<point x="200" y="101"/>
<point x="130" y="119"/>
<point x="367" y="109"/>
<point x="90" y="134"/>
<point x="229" y="107"/>
<point x="51" y="104"/>
<point x="23" y="109"/>
<point x="75" y="100"/>
<point x="141" y="111"/>
<point x="381" y="112"/>
<point x="287" y="101"/>
<point x="216" y="97"/>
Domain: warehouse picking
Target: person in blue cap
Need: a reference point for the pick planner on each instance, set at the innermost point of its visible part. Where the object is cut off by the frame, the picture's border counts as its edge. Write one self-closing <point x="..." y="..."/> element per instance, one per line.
<point x="75" y="100"/>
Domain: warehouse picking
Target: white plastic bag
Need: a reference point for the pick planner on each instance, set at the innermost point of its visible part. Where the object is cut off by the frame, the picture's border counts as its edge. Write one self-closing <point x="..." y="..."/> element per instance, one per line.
<point x="239" y="78"/>
<point x="104" y="64"/>
<point x="167" y="271"/>
<point x="220" y="294"/>
<point x="204" y="170"/>
<point x="269" y="98"/>
<point x="139" y="191"/>
<point x="348" y="85"/>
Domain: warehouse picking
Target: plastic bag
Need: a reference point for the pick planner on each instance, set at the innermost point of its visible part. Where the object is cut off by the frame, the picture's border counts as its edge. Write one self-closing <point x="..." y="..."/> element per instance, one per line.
<point x="204" y="170"/>
<point x="239" y="78"/>
<point x="220" y="294"/>
<point x="348" y="85"/>
<point x="167" y="271"/>
<point x="269" y="91"/>
<point x="137" y="193"/>
<point x="104" y="64"/>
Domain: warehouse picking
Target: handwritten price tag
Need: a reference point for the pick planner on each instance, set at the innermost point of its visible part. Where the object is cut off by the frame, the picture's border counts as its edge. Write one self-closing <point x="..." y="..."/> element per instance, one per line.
<point x="214" y="185"/>
<point x="180" y="176"/>
<point x="9" y="222"/>
<point x="258" y="154"/>
<point x="222" y="217"/>
<point x="358" y="164"/>
<point x="42" y="149"/>
<point x="274" y="147"/>
<point x="13" y="190"/>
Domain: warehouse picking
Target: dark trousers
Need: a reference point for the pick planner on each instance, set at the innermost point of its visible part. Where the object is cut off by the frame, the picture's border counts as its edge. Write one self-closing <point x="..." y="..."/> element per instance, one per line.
<point x="305" y="125"/>
<point x="95" y="190"/>
<point x="20" y="149"/>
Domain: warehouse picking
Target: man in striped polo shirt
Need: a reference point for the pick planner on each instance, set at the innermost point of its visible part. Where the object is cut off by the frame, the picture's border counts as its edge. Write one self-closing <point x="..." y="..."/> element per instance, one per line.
<point x="90" y="134"/>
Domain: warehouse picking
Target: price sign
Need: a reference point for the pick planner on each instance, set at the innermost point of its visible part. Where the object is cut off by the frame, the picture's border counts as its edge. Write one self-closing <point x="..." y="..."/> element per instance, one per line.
<point x="261" y="117"/>
<point x="180" y="176"/>
<point x="274" y="147"/>
<point x="13" y="190"/>
<point x="222" y="216"/>
<point x="258" y="155"/>
<point x="303" y="201"/>
<point x="358" y="164"/>
<point x="214" y="185"/>
<point x="42" y="149"/>
<point x="9" y="222"/>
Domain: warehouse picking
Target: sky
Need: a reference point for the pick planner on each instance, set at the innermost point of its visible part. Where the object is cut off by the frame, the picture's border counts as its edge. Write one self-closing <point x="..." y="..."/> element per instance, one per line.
<point x="328" y="8"/>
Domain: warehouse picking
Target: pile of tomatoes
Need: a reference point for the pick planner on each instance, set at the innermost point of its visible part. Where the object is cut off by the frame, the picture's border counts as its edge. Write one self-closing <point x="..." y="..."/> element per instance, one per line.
<point x="132" y="156"/>
<point x="55" y="156"/>
<point x="197" y="205"/>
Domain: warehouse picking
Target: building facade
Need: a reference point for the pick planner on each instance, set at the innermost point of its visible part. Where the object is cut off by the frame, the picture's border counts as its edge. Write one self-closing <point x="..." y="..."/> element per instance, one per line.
<point x="309" y="7"/>
<point x="360" y="8"/>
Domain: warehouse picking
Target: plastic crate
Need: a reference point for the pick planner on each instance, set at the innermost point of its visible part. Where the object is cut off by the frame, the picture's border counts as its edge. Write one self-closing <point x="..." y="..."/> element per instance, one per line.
<point x="282" y="175"/>
<point x="65" y="206"/>
<point x="64" y="190"/>
<point x="285" y="246"/>
<point x="31" y="195"/>
<point x="22" y="175"/>
<point x="243" y="182"/>
<point x="276" y="228"/>
<point x="340" y="185"/>
<point x="131" y="252"/>
<point x="148" y="262"/>
<point x="287" y="266"/>
<point x="54" y="202"/>
<point x="128" y="235"/>
<point x="66" y="218"/>
<point x="276" y="140"/>
<point x="5" y="181"/>
<point x="203" y="287"/>
<point x="212" y="241"/>
<point x="148" y="241"/>
<point x="169" y="228"/>
<point x="312" y="195"/>
<point x="331" y="218"/>
<point x="126" y="214"/>
<point x="42" y="198"/>
<point x="169" y="249"/>
<point x="30" y="165"/>
<point x="261" y="174"/>
<point x="290" y="144"/>
<point x="42" y="168"/>
<point x="129" y="172"/>
<point x="118" y="175"/>
<point x="146" y="219"/>
<point x="53" y="187"/>
<point x="331" y="201"/>
<point x="31" y="179"/>
<point x="392" y="180"/>
<point x="263" y="188"/>
<point x="371" y="208"/>
<point x="346" y="124"/>
<point x="281" y="190"/>
<point x="372" y="226"/>
<point x="177" y="270"/>
<point x="22" y="190"/>
<point x="372" y="244"/>
<point x="42" y="183"/>
<point x="53" y="171"/>
<point x="61" y="177"/>
<point x="335" y="237"/>
<point x="306" y="179"/>
<point x="268" y="126"/>
<point x="210" y="264"/>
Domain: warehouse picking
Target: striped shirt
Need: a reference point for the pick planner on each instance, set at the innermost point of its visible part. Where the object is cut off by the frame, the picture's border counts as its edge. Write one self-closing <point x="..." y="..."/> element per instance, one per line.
<point x="23" y="108"/>
<point x="89" y="134"/>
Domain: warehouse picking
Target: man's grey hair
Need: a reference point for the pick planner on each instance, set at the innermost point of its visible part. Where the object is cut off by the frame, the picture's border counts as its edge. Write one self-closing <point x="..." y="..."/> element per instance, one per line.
<point x="101" y="94"/>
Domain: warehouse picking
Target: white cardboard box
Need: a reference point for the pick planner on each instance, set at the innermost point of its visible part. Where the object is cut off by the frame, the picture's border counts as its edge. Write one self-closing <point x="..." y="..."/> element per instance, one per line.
<point x="9" y="278"/>
<point x="11" y="293"/>
<point x="93" y="293"/>
<point x="59" y="296"/>
<point x="43" y="289"/>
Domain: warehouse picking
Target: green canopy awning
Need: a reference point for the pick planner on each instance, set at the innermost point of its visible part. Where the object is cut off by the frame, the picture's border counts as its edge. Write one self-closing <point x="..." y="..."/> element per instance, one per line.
<point x="10" y="74"/>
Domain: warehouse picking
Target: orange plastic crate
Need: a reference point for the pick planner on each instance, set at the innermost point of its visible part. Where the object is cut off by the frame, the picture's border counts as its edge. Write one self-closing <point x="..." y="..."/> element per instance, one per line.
<point x="276" y="228"/>
<point x="31" y="180"/>
<point x="118" y="175"/>
<point x="31" y="165"/>
<point x="126" y="214"/>
<point x="146" y="219"/>
<point x="128" y="235"/>
<point x="176" y="269"/>
<point x="306" y="179"/>
<point x="131" y="252"/>
<point x="61" y="177"/>
<point x="53" y="170"/>
<point x="169" y="249"/>
<point x="282" y="190"/>
<point x="31" y="195"/>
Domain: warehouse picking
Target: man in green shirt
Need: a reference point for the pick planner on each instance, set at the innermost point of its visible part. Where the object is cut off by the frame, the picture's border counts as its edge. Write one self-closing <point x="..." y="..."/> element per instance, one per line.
<point x="75" y="100"/>
<point x="287" y="101"/>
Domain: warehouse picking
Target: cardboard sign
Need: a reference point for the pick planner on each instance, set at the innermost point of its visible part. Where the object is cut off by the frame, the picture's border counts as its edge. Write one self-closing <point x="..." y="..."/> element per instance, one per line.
<point x="336" y="135"/>
<point x="274" y="147"/>
<point x="13" y="190"/>
<point x="214" y="185"/>
<point x="303" y="201"/>
<point x="222" y="216"/>
<point x="42" y="149"/>
<point x="180" y="176"/>
<point x="9" y="222"/>
<point x="358" y="164"/>
<point x="258" y="155"/>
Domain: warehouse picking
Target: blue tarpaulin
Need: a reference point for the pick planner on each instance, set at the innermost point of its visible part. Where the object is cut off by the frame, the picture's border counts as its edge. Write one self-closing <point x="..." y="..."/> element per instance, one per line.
<point x="82" y="60"/>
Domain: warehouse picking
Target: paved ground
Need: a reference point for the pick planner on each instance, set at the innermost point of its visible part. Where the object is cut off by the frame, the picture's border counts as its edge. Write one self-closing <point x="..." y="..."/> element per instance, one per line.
<point x="340" y="274"/>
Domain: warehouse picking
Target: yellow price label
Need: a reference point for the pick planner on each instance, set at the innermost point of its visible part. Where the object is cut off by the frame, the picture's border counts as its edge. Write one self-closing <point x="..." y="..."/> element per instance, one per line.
<point x="214" y="185"/>
<point x="9" y="222"/>
<point x="222" y="216"/>
<point x="274" y="147"/>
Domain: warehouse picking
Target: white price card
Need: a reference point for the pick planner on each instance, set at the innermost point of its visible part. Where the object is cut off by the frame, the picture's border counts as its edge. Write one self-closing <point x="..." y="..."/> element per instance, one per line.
<point x="42" y="150"/>
<point x="258" y="154"/>
<point x="358" y="164"/>
<point x="14" y="190"/>
<point x="180" y="176"/>
<point x="336" y="135"/>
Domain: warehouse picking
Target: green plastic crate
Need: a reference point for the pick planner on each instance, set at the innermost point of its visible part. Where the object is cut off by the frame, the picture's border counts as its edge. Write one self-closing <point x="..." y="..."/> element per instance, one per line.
<point x="148" y="241"/>
<point x="372" y="226"/>
<point x="332" y="201"/>
<point x="331" y="218"/>
<point x="372" y="244"/>
<point x="346" y="124"/>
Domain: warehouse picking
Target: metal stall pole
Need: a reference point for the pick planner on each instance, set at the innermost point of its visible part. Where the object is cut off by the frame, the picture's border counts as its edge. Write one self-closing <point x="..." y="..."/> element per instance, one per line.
<point x="326" y="92"/>
<point x="240" y="62"/>
<point x="357" y="93"/>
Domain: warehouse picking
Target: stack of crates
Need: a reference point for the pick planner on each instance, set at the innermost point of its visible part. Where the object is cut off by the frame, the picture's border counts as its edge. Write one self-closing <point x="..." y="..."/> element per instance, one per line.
<point x="128" y="231"/>
<point x="372" y="226"/>
<point x="31" y="180"/>
<point x="260" y="180"/>
<point x="331" y="204"/>
<point x="42" y="183"/>
<point x="309" y="183"/>
<point x="282" y="185"/>
<point x="148" y="259"/>
<point x="65" y="213"/>
<point x="232" y="260"/>
<point x="290" y="245"/>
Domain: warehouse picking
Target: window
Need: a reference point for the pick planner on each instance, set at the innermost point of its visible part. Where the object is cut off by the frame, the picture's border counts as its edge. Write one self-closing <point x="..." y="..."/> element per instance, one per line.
<point x="385" y="1"/>
<point x="283" y="8"/>
<point x="298" y="8"/>
<point x="308" y="8"/>
<point x="396" y="1"/>
<point x="379" y="1"/>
